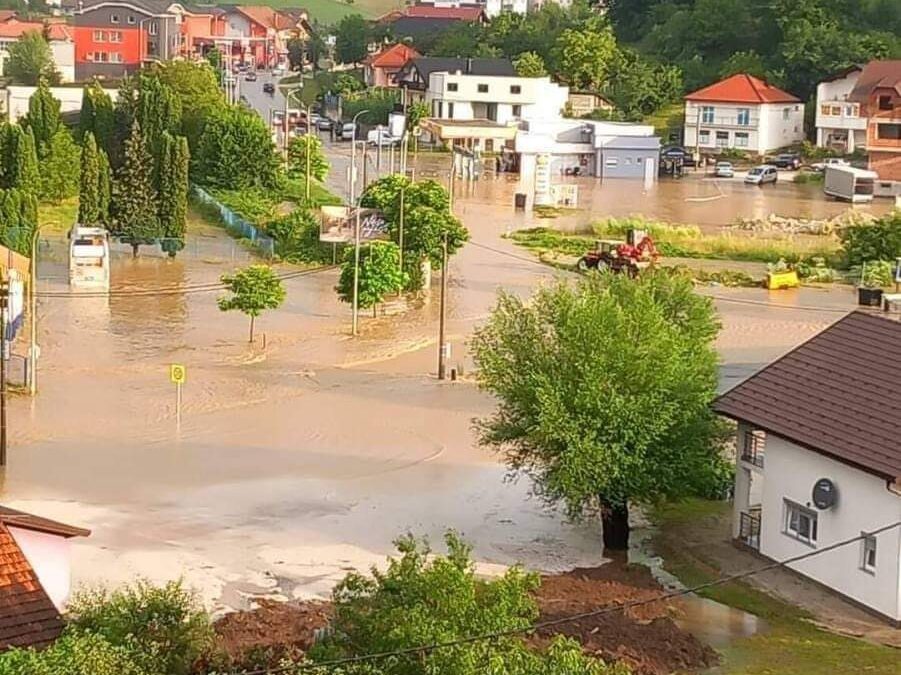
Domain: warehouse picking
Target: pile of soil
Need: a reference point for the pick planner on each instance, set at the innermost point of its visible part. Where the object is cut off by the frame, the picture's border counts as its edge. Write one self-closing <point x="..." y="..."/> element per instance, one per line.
<point x="262" y="637"/>
<point x="645" y="637"/>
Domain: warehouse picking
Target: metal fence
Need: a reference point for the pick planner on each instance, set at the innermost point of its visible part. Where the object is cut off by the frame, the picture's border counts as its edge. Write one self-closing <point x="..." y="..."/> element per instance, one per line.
<point x="237" y="225"/>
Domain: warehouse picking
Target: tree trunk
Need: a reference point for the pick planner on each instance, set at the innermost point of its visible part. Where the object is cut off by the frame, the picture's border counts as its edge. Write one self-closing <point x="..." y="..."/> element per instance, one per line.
<point x="615" y="523"/>
<point x="134" y="250"/>
<point x="251" y="327"/>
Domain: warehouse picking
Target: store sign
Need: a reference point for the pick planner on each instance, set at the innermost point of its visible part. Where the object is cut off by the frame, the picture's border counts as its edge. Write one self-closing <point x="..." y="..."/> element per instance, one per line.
<point x="543" y="179"/>
<point x="338" y="223"/>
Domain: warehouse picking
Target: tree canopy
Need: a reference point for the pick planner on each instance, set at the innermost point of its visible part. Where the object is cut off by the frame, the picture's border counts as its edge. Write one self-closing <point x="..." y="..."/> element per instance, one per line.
<point x="351" y="38"/>
<point x="133" y="206"/>
<point x="253" y="289"/>
<point x="235" y="152"/>
<point x="29" y="60"/>
<point x="603" y="392"/>
<point x="43" y="117"/>
<point x="379" y="274"/>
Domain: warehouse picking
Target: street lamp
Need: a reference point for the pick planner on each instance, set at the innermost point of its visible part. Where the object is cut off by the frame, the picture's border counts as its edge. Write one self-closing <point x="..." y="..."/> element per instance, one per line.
<point x="288" y="96"/>
<point x="33" y="310"/>
<point x="353" y="180"/>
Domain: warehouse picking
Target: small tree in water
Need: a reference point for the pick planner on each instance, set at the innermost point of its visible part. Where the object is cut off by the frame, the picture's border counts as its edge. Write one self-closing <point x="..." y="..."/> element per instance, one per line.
<point x="254" y="289"/>
<point x="379" y="274"/>
<point x="604" y="393"/>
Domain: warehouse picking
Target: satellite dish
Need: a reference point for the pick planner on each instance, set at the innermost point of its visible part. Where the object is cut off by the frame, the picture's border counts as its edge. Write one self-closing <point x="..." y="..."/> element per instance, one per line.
<point x="825" y="494"/>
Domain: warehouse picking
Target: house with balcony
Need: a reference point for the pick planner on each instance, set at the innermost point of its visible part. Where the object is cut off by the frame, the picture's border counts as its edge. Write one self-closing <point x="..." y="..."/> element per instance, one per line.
<point x="745" y="113"/>
<point x="839" y="122"/>
<point x="819" y="460"/>
<point x="878" y="93"/>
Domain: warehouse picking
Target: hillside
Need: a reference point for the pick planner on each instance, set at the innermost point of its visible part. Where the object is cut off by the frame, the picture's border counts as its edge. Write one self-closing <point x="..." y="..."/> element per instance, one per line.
<point x="332" y="11"/>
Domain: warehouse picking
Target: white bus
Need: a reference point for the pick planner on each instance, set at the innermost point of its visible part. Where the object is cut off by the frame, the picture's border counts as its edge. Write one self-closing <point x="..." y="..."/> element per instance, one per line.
<point x="89" y="257"/>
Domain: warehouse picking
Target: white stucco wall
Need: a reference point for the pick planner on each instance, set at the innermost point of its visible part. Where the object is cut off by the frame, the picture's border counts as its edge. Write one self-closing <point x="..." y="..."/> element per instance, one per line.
<point x="69" y="98"/>
<point x="495" y="7"/>
<point x="781" y="124"/>
<point x="49" y="556"/>
<point x="64" y="58"/>
<point x="768" y="127"/>
<point x="538" y="97"/>
<point x="864" y="503"/>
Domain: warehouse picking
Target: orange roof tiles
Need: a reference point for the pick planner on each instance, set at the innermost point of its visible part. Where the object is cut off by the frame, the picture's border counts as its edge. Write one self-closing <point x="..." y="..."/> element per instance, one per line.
<point x="16" y="29"/>
<point x="394" y="56"/>
<point x="742" y="88"/>
<point x="431" y="12"/>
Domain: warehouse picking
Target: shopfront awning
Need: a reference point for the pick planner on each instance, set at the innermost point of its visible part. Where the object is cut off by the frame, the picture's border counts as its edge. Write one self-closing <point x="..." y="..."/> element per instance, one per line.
<point x="477" y="129"/>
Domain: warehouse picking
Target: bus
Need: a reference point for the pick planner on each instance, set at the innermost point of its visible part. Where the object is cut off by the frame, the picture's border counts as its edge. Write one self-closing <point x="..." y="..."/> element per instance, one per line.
<point x="89" y="257"/>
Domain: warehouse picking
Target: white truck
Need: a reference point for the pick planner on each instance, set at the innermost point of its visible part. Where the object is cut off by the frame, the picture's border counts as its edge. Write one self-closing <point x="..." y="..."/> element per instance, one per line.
<point x="849" y="183"/>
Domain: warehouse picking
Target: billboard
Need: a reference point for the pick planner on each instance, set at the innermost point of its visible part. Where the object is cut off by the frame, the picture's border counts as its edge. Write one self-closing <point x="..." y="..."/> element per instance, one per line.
<point x="337" y="224"/>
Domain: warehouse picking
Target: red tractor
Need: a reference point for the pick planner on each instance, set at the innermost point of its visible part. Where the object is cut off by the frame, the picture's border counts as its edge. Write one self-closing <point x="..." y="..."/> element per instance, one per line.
<point x="635" y="254"/>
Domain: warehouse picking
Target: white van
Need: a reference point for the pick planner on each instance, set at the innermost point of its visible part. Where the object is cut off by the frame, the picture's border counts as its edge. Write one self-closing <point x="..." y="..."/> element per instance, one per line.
<point x="89" y="257"/>
<point x="849" y="183"/>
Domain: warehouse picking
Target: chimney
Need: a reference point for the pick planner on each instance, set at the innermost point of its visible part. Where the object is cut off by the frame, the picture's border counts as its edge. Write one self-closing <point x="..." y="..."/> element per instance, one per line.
<point x="468" y="65"/>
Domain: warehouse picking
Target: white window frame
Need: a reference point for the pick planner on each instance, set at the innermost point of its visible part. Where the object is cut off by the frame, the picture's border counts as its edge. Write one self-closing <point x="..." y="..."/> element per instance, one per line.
<point x="153" y="28"/>
<point x="99" y="36"/>
<point x="742" y="139"/>
<point x="868" y="549"/>
<point x="131" y="19"/>
<point x="115" y="57"/>
<point x="115" y="36"/>
<point x="114" y="18"/>
<point x="791" y="523"/>
<point x="786" y="112"/>
<point x="482" y="88"/>
<point x="721" y="139"/>
<point x="743" y="118"/>
<point x="705" y="117"/>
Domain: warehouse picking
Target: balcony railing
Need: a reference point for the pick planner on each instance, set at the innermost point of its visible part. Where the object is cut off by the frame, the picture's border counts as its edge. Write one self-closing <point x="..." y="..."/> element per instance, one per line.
<point x="722" y="121"/>
<point x="753" y="448"/>
<point x="749" y="527"/>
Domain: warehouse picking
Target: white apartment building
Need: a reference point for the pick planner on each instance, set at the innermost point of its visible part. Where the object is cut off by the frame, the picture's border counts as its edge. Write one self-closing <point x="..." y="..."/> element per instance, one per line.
<point x="495" y="7"/>
<point x="819" y="460"/>
<point x="742" y="112"/>
<point x="839" y="122"/>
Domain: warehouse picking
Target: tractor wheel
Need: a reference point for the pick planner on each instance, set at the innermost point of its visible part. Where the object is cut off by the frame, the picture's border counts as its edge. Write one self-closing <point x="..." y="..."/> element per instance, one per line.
<point x="583" y="265"/>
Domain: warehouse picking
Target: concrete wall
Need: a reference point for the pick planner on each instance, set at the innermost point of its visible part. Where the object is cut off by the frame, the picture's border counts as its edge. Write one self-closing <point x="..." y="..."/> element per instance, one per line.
<point x="49" y="556"/>
<point x="864" y="503"/>
<point x="781" y="124"/>
<point x="835" y="113"/>
<point x="69" y="98"/>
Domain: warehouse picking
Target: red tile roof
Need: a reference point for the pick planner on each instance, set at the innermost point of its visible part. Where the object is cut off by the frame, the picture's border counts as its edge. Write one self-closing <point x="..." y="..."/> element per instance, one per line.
<point x="28" y="617"/>
<point x="7" y="14"/>
<point x="431" y="12"/>
<point x="266" y="16"/>
<point x="836" y="394"/>
<point x="877" y="75"/>
<point x="742" y="89"/>
<point x="394" y="56"/>
<point x="28" y="521"/>
<point x="15" y="28"/>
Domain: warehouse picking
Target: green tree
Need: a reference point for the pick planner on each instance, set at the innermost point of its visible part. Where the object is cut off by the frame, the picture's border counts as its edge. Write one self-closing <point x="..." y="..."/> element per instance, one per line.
<point x="74" y="653"/>
<point x="254" y="289"/>
<point x="25" y="173"/>
<point x="104" y="187"/>
<point x="295" y="53"/>
<point x="639" y="87"/>
<point x="604" y="393"/>
<point x="530" y="64"/>
<point x="379" y="274"/>
<point x="236" y="152"/>
<point x="296" y="237"/>
<point x="316" y="49"/>
<point x="351" y="39"/>
<point x="880" y="240"/>
<point x="173" y="209"/>
<point x="89" y="207"/>
<point x="196" y="87"/>
<point x="158" y="112"/>
<point x="42" y="117"/>
<point x="133" y="203"/>
<point x="18" y="219"/>
<point x="60" y="167"/>
<point x="423" y="598"/>
<point x="416" y="112"/>
<point x="584" y="56"/>
<point x="97" y="116"/>
<point x="297" y="157"/>
<point x="29" y="60"/>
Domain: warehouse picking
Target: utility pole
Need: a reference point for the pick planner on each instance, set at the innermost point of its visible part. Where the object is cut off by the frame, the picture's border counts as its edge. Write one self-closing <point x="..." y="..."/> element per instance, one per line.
<point x="442" y="351"/>
<point x="400" y="238"/>
<point x="4" y="305"/>
<point x="33" y="312"/>
<point x="309" y="141"/>
<point x="354" y="205"/>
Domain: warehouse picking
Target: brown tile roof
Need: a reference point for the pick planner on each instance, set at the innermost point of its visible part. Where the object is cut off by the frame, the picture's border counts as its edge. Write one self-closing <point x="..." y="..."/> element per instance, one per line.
<point x="836" y="394"/>
<point x="394" y="56"/>
<point x="742" y="88"/>
<point x="877" y="74"/>
<point x="28" y="617"/>
<point x="28" y="521"/>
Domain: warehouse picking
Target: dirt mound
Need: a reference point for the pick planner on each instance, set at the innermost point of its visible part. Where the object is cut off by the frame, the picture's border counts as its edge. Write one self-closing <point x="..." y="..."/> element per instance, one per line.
<point x="646" y="638"/>
<point x="275" y="630"/>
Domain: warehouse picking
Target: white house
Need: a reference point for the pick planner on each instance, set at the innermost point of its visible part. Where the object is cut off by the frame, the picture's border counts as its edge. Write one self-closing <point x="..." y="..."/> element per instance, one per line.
<point x="59" y="37"/>
<point x="819" y="460"/>
<point x="14" y="99"/>
<point x="495" y="7"/>
<point x="841" y="124"/>
<point x="742" y="112"/>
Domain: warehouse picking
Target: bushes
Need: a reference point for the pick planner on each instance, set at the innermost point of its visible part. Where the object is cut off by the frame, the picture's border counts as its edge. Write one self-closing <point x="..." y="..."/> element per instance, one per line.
<point x="379" y="102"/>
<point x="75" y="653"/>
<point x="255" y="205"/>
<point x="296" y="238"/>
<point x="880" y="240"/>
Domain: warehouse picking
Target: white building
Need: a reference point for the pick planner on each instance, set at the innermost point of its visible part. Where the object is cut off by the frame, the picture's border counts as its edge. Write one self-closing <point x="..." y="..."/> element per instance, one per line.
<point x="819" y="460"/>
<point x="839" y="122"/>
<point x="742" y="112"/>
<point x="14" y="99"/>
<point x="59" y="37"/>
<point x="495" y="7"/>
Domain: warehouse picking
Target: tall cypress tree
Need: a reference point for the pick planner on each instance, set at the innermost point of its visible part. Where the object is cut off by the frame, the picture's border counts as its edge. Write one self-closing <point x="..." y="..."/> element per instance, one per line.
<point x="43" y="117"/>
<point x="25" y="173"/>
<point x="7" y="154"/>
<point x="89" y="185"/>
<point x="86" y="115"/>
<point x="173" y="191"/>
<point x="104" y="186"/>
<point x="133" y="209"/>
<point x="97" y="116"/>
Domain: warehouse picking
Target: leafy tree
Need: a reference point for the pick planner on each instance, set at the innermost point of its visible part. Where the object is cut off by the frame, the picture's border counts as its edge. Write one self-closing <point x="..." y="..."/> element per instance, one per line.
<point x="196" y="87"/>
<point x="345" y="84"/>
<point x="29" y="60"/>
<point x="25" y="173"/>
<point x="254" y="289"/>
<point x="880" y="240"/>
<point x="133" y="203"/>
<point x="173" y="208"/>
<point x="158" y="112"/>
<point x="750" y="63"/>
<point x="604" y="392"/>
<point x="97" y="116"/>
<point x="296" y="237"/>
<point x="60" y="167"/>
<point x="74" y="653"/>
<point x="104" y="186"/>
<point x="316" y="49"/>
<point x="42" y="117"/>
<point x="379" y="274"/>
<point x="89" y="207"/>
<point x="295" y="53"/>
<point x="124" y="116"/>
<point x="530" y="64"/>
<point x="236" y="152"/>
<point x="297" y="157"/>
<point x="416" y="112"/>
<point x="18" y="219"/>
<point x="584" y="56"/>
<point x="639" y="86"/>
<point x="423" y="598"/>
<point x="351" y="39"/>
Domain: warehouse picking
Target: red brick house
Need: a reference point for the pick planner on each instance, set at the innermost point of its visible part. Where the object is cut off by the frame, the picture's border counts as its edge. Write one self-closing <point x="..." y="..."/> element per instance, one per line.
<point x="381" y="67"/>
<point x="878" y="91"/>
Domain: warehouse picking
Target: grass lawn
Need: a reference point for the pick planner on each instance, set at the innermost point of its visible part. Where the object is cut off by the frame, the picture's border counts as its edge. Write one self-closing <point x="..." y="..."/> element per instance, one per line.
<point x="58" y="217"/>
<point x="669" y="119"/>
<point x="332" y="11"/>
<point x="789" y="644"/>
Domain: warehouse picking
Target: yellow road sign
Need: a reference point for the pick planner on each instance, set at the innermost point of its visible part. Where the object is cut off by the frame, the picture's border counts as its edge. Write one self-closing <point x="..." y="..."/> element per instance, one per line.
<point x="177" y="373"/>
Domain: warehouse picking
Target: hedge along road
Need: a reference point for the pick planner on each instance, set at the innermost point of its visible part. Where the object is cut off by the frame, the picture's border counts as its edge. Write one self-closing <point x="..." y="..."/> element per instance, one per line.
<point x="300" y="461"/>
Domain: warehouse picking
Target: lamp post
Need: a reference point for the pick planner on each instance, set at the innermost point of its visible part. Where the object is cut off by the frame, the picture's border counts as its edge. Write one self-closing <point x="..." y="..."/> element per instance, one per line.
<point x="353" y="204"/>
<point x="288" y="96"/>
<point x="33" y="311"/>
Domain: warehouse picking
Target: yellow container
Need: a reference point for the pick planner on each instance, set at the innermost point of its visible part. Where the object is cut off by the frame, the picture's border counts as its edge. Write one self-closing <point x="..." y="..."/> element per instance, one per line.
<point x="777" y="280"/>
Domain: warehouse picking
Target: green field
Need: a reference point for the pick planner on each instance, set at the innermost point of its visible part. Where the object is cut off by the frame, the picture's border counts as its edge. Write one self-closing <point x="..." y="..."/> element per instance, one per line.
<point x="332" y="11"/>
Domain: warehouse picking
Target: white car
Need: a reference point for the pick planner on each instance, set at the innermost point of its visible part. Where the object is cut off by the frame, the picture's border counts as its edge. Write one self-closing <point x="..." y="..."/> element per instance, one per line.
<point x="381" y="136"/>
<point x="723" y="170"/>
<point x="830" y="161"/>
<point x="762" y="174"/>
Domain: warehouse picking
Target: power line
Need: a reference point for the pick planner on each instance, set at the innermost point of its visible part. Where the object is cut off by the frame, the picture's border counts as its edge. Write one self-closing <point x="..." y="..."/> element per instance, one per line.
<point x="421" y="649"/>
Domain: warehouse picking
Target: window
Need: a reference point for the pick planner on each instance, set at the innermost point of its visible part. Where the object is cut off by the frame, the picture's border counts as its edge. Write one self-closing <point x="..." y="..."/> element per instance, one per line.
<point x="707" y="114"/>
<point x="800" y="523"/>
<point x="868" y="553"/>
<point x="744" y="117"/>
<point x="851" y="110"/>
<point x="452" y="86"/>
<point x="517" y="111"/>
<point x="786" y="112"/>
<point x="704" y="137"/>
<point x="115" y="36"/>
<point x="100" y="36"/>
<point x="825" y="109"/>
<point x="114" y="18"/>
<point x="483" y="88"/>
<point x="515" y="89"/>
<point x="888" y="132"/>
<point x="450" y="110"/>
<point x="153" y="28"/>
<point x="722" y="139"/>
<point x="611" y="162"/>
<point x="741" y="139"/>
<point x="115" y="57"/>
<point x="131" y="18"/>
<point x="885" y="102"/>
<point x="835" y="110"/>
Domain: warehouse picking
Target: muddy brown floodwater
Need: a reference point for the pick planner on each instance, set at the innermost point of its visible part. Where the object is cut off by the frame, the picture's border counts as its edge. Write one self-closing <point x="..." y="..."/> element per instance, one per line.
<point x="298" y="462"/>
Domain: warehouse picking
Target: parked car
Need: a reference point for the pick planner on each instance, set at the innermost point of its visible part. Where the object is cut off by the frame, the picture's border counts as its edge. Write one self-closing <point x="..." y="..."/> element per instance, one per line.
<point x="278" y="71"/>
<point x="250" y="76"/>
<point x="346" y="131"/>
<point x="759" y="175"/>
<point x="268" y="87"/>
<point x="787" y="160"/>
<point x="723" y="170"/>
<point x="324" y="124"/>
<point x="381" y="136"/>
<point x="830" y="161"/>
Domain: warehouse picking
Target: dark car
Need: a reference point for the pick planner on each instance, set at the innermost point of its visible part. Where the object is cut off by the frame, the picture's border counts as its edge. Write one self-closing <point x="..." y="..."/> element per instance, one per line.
<point x="269" y="88"/>
<point x="787" y="160"/>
